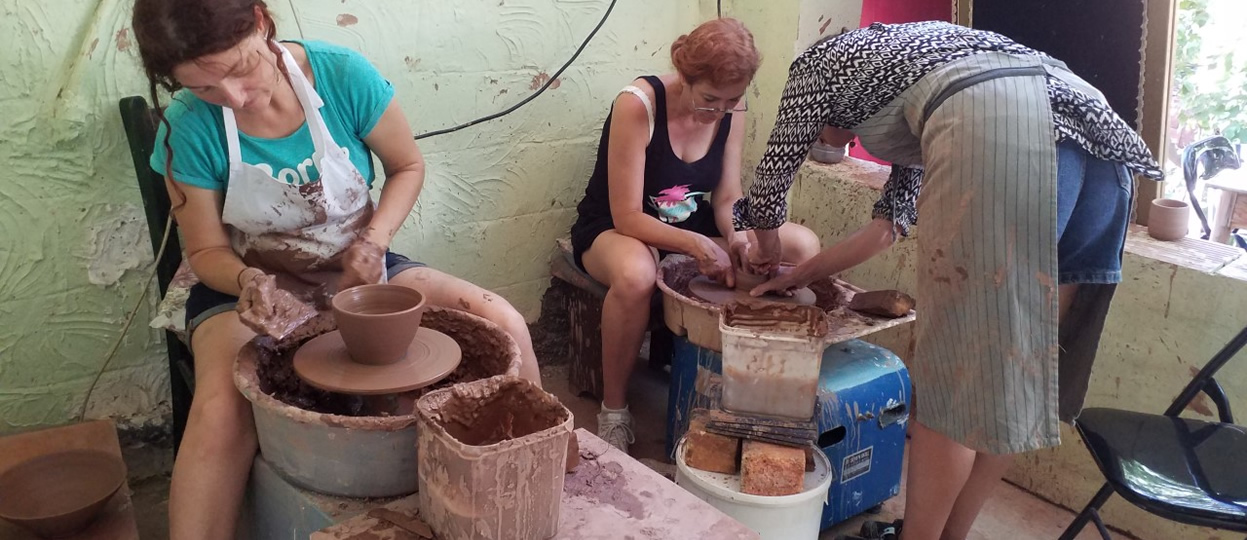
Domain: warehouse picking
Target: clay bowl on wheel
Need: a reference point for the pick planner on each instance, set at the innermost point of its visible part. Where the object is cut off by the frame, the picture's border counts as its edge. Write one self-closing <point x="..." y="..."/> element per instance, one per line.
<point x="56" y="495"/>
<point x="379" y="321"/>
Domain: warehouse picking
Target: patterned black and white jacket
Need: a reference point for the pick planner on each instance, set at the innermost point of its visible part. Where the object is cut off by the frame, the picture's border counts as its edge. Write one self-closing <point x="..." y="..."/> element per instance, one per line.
<point x="843" y="80"/>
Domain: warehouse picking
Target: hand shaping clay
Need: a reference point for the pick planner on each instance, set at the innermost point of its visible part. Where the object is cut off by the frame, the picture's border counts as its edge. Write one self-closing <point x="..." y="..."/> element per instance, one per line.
<point x="270" y="311"/>
<point x="712" y="291"/>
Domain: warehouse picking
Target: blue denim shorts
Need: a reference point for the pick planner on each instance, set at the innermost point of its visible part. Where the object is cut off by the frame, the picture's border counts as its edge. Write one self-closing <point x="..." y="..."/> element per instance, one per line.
<point x="1094" y="197"/>
<point x="204" y="303"/>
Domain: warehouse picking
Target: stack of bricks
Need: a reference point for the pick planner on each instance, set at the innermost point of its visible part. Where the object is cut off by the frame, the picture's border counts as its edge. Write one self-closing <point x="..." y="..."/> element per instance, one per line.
<point x="765" y="469"/>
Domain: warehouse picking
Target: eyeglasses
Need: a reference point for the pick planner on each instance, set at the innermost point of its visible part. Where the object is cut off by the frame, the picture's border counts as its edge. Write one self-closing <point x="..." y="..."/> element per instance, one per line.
<point x="740" y="107"/>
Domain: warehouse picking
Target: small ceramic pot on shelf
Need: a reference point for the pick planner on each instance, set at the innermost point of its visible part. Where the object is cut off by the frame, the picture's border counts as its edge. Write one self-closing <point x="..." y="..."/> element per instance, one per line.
<point x="1169" y="219"/>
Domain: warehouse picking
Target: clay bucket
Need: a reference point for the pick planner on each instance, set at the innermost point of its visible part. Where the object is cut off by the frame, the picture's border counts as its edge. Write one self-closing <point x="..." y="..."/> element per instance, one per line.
<point x="378" y="321"/>
<point x="59" y="494"/>
<point x="477" y="483"/>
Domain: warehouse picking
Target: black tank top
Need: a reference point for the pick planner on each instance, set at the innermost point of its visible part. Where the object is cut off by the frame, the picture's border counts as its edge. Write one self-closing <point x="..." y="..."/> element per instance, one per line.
<point x="676" y="192"/>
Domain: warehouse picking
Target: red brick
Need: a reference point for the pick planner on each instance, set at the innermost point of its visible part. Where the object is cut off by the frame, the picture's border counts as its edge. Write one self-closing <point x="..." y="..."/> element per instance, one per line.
<point x="771" y="469"/>
<point x="710" y="451"/>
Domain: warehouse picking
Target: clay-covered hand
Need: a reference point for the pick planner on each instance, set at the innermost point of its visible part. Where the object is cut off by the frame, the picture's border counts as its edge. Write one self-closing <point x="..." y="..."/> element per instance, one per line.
<point x="361" y="264"/>
<point x="713" y="262"/>
<point x="764" y="257"/>
<point x="784" y="280"/>
<point x="268" y="310"/>
<point x="738" y="249"/>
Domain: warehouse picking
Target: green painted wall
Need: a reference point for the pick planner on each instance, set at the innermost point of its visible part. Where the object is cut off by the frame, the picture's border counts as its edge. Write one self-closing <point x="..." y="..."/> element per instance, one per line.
<point x="1166" y="322"/>
<point x="73" y="242"/>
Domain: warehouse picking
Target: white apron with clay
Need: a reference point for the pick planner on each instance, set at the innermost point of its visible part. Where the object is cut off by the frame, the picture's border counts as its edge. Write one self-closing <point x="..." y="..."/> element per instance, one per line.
<point x="301" y="230"/>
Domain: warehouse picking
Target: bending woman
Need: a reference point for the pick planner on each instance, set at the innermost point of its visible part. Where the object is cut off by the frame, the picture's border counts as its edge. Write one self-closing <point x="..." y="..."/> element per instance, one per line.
<point x="1024" y="176"/>
<point x="268" y="147"/>
<point x="669" y="141"/>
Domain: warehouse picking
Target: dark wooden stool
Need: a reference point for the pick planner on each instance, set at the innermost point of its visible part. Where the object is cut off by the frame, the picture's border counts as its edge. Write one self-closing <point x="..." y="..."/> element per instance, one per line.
<point x="584" y="314"/>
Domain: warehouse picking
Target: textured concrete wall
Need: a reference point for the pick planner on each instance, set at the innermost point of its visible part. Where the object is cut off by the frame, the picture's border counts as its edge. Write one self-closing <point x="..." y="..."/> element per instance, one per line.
<point x="1167" y="320"/>
<point x="73" y="245"/>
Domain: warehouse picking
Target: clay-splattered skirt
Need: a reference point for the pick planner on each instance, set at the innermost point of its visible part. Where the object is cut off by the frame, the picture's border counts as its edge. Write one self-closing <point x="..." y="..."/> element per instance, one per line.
<point x="985" y="366"/>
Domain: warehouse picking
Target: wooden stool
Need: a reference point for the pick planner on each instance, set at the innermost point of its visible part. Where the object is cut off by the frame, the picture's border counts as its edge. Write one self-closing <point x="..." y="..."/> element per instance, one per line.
<point x="584" y="314"/>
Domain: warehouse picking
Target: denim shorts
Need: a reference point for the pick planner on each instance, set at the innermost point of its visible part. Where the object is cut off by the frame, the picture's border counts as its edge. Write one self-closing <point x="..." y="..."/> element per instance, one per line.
<point x="205" y="303"/>
<point x="1094" y="197"/>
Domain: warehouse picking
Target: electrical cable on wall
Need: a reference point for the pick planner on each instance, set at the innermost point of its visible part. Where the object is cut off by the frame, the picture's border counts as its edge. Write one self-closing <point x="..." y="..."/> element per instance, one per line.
<point x="125" y="328"/>
<point x="534" y="95"/>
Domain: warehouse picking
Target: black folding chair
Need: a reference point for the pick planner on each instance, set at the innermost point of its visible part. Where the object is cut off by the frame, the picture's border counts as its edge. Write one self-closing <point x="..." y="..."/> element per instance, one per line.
<point x="140" y="124"/>
<point x="1188" y="471"/>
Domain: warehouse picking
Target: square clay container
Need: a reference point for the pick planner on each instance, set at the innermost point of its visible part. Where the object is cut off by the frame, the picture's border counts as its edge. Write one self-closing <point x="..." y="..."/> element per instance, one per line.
<point x="491" y="459"/>
<point x="771" y="366"/>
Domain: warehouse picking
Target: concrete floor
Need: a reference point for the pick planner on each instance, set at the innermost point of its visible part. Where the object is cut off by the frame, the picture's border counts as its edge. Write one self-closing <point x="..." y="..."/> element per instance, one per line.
<point x="1011" y="512"/>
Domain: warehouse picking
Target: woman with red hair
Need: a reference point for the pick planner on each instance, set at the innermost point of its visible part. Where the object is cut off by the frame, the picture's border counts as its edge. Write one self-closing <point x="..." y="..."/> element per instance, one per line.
<point x="669" y="141"/>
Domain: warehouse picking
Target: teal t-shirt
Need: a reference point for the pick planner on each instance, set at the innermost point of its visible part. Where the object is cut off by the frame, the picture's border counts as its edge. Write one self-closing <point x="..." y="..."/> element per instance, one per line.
<point x="355" y="96"/>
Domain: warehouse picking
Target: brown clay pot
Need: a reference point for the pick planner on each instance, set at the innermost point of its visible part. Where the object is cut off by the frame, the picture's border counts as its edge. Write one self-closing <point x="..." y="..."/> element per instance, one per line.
<point x="59" y="494"/>
<point x="378" y="321"/>
<point x="1169" y="219"/>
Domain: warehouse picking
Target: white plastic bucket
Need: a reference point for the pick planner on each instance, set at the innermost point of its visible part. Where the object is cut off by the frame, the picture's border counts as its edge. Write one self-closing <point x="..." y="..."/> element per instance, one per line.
<point x="787" y="517"/>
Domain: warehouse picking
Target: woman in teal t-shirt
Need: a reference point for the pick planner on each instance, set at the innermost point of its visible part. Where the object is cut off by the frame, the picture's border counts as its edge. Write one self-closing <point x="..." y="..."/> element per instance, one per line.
<point x="268" y="151"/>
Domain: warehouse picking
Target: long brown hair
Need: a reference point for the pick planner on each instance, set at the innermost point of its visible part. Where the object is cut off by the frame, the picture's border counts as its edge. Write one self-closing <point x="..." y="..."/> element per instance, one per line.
<point x="172" y="32"/>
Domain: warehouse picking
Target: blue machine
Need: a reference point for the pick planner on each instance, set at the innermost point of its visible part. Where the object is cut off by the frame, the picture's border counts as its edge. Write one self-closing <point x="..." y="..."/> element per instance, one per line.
<point x="863" y="409"/>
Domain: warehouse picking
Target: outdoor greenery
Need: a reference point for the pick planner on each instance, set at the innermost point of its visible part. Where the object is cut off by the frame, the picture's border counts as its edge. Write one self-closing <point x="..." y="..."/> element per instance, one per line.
<point x="1210" y="79"/>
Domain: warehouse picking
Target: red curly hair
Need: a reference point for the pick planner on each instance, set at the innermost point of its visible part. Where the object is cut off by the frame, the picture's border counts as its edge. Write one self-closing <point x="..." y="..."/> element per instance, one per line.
<point x="720" y="51"/>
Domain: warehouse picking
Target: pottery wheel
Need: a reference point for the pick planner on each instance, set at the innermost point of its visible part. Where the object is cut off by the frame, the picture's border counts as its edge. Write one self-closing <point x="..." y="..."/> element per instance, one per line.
<point x="324" y="363"/>
<point x="712" y="291"/>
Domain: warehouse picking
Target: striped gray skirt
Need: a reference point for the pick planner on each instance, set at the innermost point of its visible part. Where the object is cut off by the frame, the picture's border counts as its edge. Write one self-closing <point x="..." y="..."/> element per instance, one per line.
<point x="988" y="368"/>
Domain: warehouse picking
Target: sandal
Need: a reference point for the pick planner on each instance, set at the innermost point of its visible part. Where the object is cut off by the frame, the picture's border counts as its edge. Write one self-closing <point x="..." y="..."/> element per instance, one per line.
<point x="882" y="530"/>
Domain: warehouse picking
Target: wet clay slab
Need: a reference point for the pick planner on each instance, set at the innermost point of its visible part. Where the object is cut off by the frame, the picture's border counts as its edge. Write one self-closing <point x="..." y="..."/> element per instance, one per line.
<point x="712" y="291"/>
<point x="325" y="363"/>
<point x="808" y="321"/>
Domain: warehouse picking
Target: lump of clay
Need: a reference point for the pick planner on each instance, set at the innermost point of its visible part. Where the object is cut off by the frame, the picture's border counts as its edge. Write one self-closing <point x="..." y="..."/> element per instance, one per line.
<point x="887" y="303"/>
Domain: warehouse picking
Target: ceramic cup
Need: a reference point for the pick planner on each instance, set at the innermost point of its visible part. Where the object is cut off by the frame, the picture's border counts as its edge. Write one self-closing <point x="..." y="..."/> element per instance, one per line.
<point x="379" y="321"/>
<point x="1169" y="219"/>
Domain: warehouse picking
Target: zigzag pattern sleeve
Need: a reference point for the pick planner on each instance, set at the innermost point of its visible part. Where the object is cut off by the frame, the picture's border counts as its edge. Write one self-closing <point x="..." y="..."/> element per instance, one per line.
<point x="899" y="202"/>
<point x="803" y="111"/>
